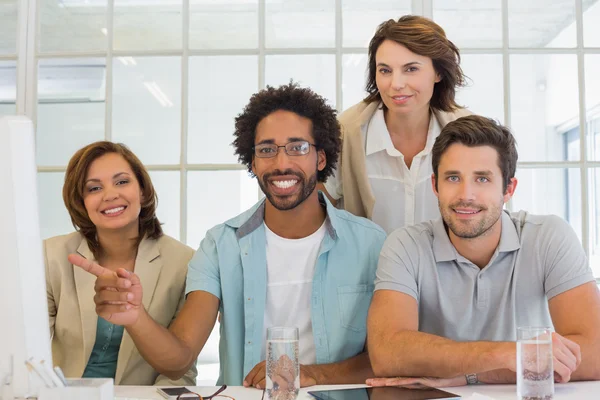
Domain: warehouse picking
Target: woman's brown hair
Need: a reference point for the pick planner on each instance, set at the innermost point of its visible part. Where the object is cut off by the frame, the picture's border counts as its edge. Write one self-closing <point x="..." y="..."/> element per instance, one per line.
<point x="75" y="177"/>
<point x="426" y="38"/>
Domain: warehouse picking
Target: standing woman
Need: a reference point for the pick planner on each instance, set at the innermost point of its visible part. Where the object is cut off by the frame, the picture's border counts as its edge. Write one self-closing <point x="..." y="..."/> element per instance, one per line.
<point x="112" y="205"/>
<point x="385" y="170"/>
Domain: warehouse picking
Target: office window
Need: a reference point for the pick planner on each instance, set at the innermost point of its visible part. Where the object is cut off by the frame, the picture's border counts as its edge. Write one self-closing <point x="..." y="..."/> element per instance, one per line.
<point x="9" y="13"/>
<point x="8" y="21"/>
<point x="71" y="101"/>
<point x="146" y="109"/>
<point x="72" y="26"/>
<point x="8" y="87"/>
<point x="215" y="99"/>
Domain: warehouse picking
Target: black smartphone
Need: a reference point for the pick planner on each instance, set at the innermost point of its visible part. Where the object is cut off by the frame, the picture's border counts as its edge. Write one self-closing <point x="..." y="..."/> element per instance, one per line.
<point x="168" y="392"/>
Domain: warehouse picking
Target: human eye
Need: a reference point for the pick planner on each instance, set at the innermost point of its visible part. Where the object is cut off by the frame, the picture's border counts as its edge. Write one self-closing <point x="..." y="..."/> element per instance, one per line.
<point x="412" y="69"/>
<point x="452" y="178"/>
<point x="482" y="179"/>
<point x="297" y="146"/>
<point x="265" y="149"/>
<point x="384" y="70"/>
<point x="91" y="189"/>
<point x="122" y="182"/>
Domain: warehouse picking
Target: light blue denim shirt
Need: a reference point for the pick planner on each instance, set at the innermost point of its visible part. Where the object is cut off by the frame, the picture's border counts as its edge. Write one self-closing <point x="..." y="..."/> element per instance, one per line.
<point x="341" y="291"/>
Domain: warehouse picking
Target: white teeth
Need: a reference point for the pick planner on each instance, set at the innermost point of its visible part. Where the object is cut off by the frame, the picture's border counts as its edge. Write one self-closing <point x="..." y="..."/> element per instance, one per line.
<point x="113" y="210"/>
<point x="284" y="184"/>
<point x="466" y="212"/>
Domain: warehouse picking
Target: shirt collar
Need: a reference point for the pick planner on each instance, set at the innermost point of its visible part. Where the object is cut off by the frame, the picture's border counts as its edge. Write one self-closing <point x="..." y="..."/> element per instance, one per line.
<point x="378" y="136"/>
<point x="250" y="220"/>
<point x="444" y="250"/>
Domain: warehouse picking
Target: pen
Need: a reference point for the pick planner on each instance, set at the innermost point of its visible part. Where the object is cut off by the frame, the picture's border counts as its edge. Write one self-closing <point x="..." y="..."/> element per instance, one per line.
<point x="61" y="375"/>
<point x="38" y="371"/>
<point x="50" y="372"/>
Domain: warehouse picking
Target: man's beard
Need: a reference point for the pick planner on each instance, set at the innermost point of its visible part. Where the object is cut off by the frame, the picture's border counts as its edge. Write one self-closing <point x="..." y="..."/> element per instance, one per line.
<point x="284" y="203"/>
<point x="474" y="228"/>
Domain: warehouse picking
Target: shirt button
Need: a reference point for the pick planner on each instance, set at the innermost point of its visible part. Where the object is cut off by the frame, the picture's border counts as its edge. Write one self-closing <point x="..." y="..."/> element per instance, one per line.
<point x="249" y="342"/>
<point x="249" y="298"/>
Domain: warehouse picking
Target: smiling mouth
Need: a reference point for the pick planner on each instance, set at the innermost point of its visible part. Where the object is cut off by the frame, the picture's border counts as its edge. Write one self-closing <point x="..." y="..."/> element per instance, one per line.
<point x="284" y="184"/>
<point x="113" y="211"/>
<point x="466" y="212"/>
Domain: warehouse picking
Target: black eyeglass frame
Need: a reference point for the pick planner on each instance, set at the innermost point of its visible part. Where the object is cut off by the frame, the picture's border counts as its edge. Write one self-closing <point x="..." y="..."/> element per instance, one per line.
<point x="188" y="395"/>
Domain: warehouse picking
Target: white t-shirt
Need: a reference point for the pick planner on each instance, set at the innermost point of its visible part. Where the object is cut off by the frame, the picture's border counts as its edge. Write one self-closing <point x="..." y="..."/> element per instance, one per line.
<point x="403" y="196"/>
<point x="290" y="269"/>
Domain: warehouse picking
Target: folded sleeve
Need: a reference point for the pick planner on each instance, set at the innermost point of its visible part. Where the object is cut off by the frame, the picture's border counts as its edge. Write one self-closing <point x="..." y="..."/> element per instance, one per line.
<point x="396" y="269"/>
<point x="203" y="272"/>
<point x="565" y="263"/>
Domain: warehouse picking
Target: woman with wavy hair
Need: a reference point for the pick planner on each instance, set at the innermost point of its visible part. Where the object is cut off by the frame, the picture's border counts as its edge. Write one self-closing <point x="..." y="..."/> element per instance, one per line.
<point x="384" y="172"/>
<point x="112" y="204"/>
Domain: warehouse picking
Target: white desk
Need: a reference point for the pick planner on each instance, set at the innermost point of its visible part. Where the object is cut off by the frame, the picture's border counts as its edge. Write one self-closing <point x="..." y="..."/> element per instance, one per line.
<point x="573" y="390"/>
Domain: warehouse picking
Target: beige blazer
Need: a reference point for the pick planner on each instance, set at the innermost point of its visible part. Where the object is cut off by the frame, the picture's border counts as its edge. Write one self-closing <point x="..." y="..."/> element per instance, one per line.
<point x="162" y="267"/>
<point x="357" y="194"/>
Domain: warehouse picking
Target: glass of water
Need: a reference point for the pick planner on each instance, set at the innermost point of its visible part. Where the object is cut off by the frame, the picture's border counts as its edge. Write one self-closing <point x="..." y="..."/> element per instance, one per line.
<point x="535" y="371"/>
<point x="283" y="369"/>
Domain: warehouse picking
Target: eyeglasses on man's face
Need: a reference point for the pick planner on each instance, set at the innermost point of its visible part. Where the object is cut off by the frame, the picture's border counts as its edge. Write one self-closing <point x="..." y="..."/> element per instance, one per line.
<point x="269" y="150"/>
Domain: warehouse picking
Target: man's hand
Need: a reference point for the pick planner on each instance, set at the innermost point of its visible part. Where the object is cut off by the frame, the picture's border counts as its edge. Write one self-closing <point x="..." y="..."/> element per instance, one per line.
<point x="282" y="376"/>
<point x="566" y="357"/>
<point x="418" y="383"/>
<point x="118" y="294"/>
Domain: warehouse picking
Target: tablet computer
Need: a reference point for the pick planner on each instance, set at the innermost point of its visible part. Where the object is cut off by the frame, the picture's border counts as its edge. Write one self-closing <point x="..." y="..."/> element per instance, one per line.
<point x="384" y="393"/>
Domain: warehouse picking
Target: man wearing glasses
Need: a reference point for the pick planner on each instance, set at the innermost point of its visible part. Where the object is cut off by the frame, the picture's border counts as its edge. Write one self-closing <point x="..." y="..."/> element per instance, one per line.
<point x="291" y="260"/>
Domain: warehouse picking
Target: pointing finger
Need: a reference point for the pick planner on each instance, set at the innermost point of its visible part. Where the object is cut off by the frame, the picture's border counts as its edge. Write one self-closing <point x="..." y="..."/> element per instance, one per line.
<point x="87" y="265"/>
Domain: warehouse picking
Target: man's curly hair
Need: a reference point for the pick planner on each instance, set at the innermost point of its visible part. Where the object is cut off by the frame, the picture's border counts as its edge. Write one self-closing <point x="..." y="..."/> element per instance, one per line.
<point x="301" y="101"/>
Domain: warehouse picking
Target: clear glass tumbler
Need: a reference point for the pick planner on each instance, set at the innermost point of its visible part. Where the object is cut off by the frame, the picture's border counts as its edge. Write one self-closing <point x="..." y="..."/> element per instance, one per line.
<point x="535" y="370"/>
<point x="283" y="369"/>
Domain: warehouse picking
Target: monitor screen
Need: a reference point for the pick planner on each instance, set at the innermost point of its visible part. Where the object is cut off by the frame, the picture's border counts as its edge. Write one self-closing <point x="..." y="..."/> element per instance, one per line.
<point x="23" y="303"/>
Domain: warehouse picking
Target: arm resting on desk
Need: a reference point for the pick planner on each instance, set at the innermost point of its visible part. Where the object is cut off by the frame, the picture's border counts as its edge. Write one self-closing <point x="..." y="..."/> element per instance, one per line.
<point x="397" y="348"/>
<point x="576" y="316"/>
<point x="356" y="369"/>
<point x="353" y="370"/>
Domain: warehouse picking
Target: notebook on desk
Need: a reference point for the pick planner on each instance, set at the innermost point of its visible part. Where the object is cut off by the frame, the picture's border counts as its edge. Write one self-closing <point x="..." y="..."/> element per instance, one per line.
<point x="383" y="393"/>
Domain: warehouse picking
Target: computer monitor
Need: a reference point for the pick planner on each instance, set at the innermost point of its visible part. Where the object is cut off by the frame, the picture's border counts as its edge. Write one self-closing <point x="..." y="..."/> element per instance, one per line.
<point x="23" y="303"/>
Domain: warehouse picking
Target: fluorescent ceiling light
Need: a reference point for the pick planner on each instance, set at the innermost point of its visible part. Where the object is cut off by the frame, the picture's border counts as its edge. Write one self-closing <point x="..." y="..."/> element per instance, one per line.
<point x="158" y="94"/>
<point x="127" y="61"/>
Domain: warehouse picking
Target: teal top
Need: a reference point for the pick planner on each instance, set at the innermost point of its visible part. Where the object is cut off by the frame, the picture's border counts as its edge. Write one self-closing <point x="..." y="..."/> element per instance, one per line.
<point x="103" y="360"/>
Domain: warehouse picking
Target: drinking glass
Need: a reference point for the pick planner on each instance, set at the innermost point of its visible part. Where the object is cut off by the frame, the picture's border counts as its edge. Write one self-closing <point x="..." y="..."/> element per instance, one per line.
<point x="535" y="371"/>
<point x="283" y="369"/>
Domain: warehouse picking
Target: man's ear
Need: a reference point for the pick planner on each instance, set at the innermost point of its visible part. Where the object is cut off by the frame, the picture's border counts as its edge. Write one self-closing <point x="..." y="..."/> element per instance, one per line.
<point x="321" y="160"/>
<point x="434" y="185"/>
<point x="510" y="189"/>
